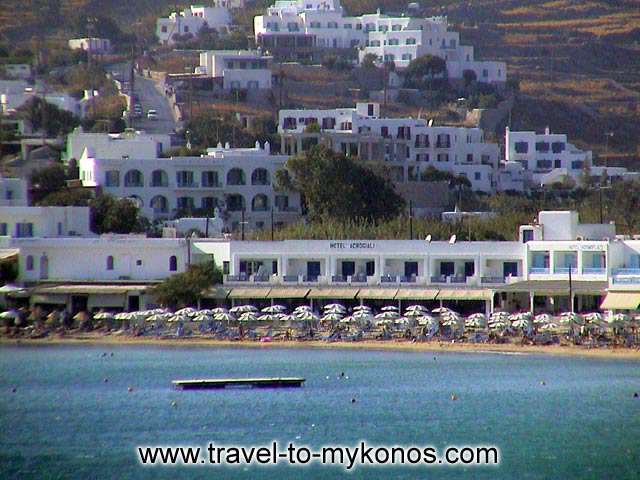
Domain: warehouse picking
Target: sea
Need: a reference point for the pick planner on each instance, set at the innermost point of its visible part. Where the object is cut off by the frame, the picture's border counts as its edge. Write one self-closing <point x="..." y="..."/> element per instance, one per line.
<point x="76" y="411"/>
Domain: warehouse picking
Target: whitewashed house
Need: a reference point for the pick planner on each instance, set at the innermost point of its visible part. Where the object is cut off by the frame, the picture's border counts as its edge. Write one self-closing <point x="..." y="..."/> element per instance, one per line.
<point x="547" y="158"/>
<point x="190" y="20"/>
<point x="93" y="45"/>
<point x="407" y="146"/>
<point x="237" y="69"/>
<point x="16" y="71"/>
<point x="307" y="24"/>
<point x="44" y="222"/>
<point x="13" y="192"/>
<point x="238" y="181"/>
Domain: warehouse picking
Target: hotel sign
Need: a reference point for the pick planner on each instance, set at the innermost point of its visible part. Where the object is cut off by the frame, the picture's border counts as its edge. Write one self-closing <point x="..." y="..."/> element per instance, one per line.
<point x="588" y="248"/>
<point x="352" y="245"/>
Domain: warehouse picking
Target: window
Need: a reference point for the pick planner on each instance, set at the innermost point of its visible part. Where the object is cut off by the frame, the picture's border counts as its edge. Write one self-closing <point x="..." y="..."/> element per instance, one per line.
<point x="332" y="25"/>
<point x="185" y="203"/>
<point x="510" y="269"/>
<point x="443" y="157"/>
<point x="469" y="157"/>
<point x="396" y="28"/>
<point x="110" y="262"/>
<point x="347" y="26"/>
<point x="29" y="263"/>
<point x="209" y="203"/>
<point x="522" y="147"/>
<point x="485" y="73"/>
<point x="24" y="230"/>
<point x="133" y="178"/>
<point x="577" y="164"/>
<point x="173" y="263"/>
<point x="292" y="27"/>
<point x="328" y="123"/>
<point x="3" y="229"/>
<point x="186" y="29"/>
<point x="112" y="178"/>
<point x="557" y="147"/>
<point x="393" y="42"/>
<point x="406" y="56"/>
<point x="164" y="29"/>
<point x="236" y="177"/>
<point x="410" y="41"/>
<point x="159" y="204"/>
<point x="235" y="202"/>
<point x="557" y="164"/>
<point x="543" y="164"/>
<point x="542" y="147"/>
<point x="282" y="203"/>
<point x="225" y="267"/>
<point x="260" y="203"/>
<point x="159" y="178"/>
<point x="210" y="179"/>
<point x="260" y="176"/>
<point x="138" y="263"/>
<point x="527" y="235"/>
<point x="314" y="25"/>
<point x="184" y="178"/>
<point x="477" y="175"/>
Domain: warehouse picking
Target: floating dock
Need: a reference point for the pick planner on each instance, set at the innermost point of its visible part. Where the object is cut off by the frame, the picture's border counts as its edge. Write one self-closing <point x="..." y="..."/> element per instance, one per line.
<point x="221" y="383"/>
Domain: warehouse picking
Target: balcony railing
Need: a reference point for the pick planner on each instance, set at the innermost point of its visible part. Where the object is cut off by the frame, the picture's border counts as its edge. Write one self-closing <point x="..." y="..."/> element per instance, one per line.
<point x="310" y="278"/>
<point x="539" y="271"/>
<point x="290" y="278"/>
<point x="439" y="279"/>
<point x="458" y="279"/>
<point x="565" y="270"/>
<point x="626" y="280"/>
<point x="362" y="278"/>
<point x="411" y="279"/>
<point x="261" y="278"/>
<point x="388" y="279"/>
<point x="627" y="271"/>
<point x="338" y="279"/>
<point x="187" y="185"/>
<point x="594" y="270"/>
<point x="493" y="280"/>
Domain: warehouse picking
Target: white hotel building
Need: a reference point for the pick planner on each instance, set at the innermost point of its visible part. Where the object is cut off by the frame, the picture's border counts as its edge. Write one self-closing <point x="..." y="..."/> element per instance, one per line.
<point x="408" y="146"/>
<point x="238" y="181"/>
<point x="321" y="24"/>
<point x="530" y="273"/>
<point x="546" y="158"/>
<point x="237" y="69"/>
<point x="190" y="20"/>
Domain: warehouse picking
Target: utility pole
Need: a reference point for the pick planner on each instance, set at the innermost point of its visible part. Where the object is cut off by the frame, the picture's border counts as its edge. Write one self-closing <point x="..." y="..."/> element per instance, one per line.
<point x="410" y="220"/>
<point x="570" y="290"/>
<point x="242" y="222"/>
<point x="272" y="233"/>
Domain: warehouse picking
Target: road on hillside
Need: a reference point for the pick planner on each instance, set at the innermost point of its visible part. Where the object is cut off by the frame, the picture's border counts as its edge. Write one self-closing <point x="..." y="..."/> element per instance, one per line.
<point x="151" y="97"/>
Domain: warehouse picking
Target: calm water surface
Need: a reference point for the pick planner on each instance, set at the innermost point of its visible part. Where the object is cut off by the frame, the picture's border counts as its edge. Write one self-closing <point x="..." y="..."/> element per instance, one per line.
<point x="64" y="421"/>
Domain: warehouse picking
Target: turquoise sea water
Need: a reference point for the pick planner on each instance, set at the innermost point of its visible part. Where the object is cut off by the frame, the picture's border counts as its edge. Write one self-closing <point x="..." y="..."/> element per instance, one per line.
<point x="64" y="421"/>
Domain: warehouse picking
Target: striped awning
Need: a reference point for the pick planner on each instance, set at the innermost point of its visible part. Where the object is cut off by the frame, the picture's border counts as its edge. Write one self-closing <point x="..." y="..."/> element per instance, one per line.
<point x="334" y="293"/>
<point x="248" y="293"/>
<point x="377" y="293"/>
<point x="416" y="294"/>
<point x="288" y="292"/>
<point x="464" y="294"/>
<point x="621" y="301"/>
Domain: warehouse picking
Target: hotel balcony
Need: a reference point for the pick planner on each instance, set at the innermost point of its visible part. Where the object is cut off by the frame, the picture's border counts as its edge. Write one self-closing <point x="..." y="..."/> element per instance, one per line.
<point x="539" y="271"/>
<point x="594" y="271"/>
<point x="565" y="270"/>
<point x="626" y="276"/>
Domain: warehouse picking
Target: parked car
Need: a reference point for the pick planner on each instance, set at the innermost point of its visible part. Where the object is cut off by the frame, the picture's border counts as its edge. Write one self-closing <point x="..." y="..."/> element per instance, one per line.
<point x="152" y="115"/>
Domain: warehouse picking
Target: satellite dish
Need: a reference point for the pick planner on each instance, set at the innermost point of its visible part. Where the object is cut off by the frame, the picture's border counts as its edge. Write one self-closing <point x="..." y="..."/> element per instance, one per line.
<point x="428" y="238"/>
<point x="431" y="122"/>
<point x="452" y="240"/>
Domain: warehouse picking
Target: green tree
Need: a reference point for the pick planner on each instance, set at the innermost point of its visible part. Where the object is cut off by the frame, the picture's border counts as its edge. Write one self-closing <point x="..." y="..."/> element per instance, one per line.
<point x="41" y="114"/>
<point x="335" y="186"/>
<point x="426" y="72"/>
<point x="186" y="288"/>
<point x="115" y="215"/>
<point x="46" y="181"/>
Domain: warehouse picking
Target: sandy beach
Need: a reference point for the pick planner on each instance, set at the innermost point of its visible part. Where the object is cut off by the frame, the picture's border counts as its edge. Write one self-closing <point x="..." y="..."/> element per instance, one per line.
<point x="391" y="345"/>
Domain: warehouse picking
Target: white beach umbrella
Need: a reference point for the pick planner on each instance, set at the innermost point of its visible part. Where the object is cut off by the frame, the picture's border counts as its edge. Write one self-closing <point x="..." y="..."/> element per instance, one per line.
<point x="498" y="325"/>
<point x="361" y="307"/>
<point x="416" y="307"/>
<point x="618" y="320"/>
<point x="388" y="315"/>
<point x="10" y="314"/>
<point x="593" y="317"/>
<point x="426" y="320"/>
<point x="287" y="318"/>
<point x="157" y="317"/>
<point x="331" y="317"/>
<point x="389" y="308"/>
<point x="363" y="314"/>
<point x="243" y="309"/>
<point x="384" y="321"/>
<point x="202" y="317"/>
<point x="248" y="317"/>
<point x="414" y="313"/>
<point x="224" y="317"/>
<point x="178" y="318"/>
<point x="549" y="327"/>
<point x="402" y="321"/>
<point x="103" y="316"/>
<point x="522" y="323"/>
<point x="123" y="316"/>
<point x="440" y="310"/>
<point x="307" y="316"/>
<point x="274" y="309"/>
<point x="348" y="320"/>
<point x="452" y="321"/>
<point x="217" y="310"/>
<point x="542" y="318"/>
<point x="188" y="311"/>
<point x="270" y="317"/>
<point x="335" y="306"/>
